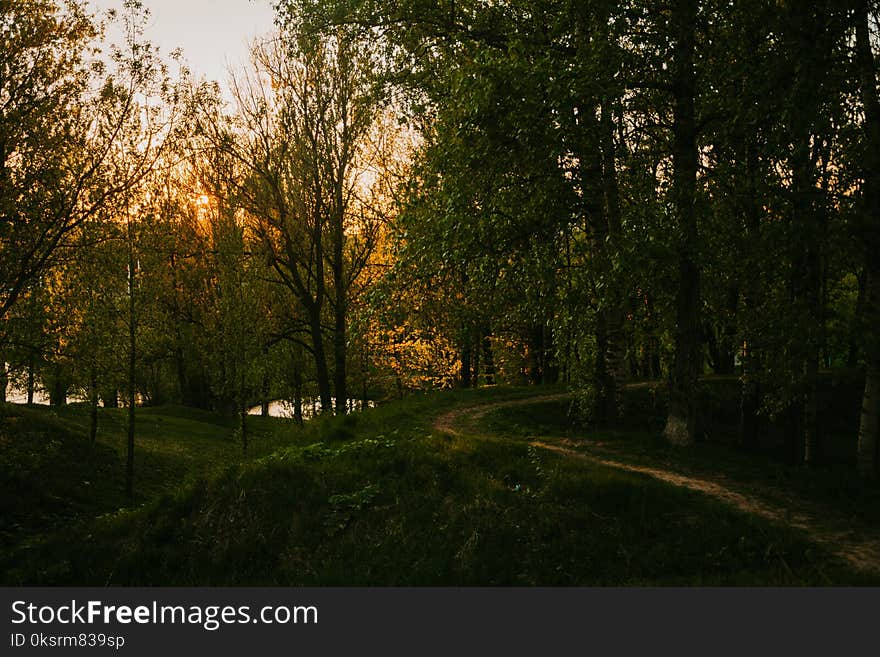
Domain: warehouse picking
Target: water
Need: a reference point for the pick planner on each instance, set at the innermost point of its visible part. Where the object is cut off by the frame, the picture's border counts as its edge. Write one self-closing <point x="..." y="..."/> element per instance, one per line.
<point x="279" y="408"/>
<point x="284" y="408"/>
<point x="19" y="396"/>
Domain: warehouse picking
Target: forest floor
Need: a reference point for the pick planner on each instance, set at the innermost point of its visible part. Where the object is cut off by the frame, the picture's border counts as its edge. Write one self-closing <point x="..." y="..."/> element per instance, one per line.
<point x="853" y="540"/>
<point x="497" y="486"/>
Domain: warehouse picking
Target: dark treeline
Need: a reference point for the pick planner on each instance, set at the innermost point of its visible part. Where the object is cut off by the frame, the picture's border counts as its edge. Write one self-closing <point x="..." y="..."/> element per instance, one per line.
<point x="642" y="190"/>
<point x="414" y="195"/>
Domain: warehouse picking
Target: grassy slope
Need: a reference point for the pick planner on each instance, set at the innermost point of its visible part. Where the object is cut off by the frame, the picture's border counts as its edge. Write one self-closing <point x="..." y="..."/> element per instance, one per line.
<point x="50" y="476"/>
<point x="382" y="499"/>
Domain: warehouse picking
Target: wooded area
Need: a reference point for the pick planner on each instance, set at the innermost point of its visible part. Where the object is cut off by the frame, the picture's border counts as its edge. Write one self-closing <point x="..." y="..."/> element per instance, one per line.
<point x="412" y="196"/>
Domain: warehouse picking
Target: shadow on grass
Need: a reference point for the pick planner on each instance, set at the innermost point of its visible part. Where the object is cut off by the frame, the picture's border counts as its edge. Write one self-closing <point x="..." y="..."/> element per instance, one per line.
<point x="381" y="499"/>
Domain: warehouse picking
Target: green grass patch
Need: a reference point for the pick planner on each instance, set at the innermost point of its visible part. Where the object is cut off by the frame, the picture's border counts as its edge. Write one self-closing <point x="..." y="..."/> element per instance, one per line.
<point x="51" y="476"/>
<point x="381" y="499"/>
<point x="638" y="440"/>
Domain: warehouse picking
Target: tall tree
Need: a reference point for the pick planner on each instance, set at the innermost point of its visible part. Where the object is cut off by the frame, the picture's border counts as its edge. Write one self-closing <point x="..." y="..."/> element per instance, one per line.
<point x="301" y="148"/>
<point x="682" y="421"/>
<point x="869" y="430"/>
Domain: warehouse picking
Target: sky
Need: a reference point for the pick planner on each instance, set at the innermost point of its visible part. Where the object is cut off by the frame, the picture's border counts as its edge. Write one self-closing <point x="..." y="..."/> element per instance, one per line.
<point x="213" y="34"/>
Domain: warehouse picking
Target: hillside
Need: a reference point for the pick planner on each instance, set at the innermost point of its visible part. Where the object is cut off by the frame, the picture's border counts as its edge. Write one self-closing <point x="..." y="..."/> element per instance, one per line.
<point x="389" y="497"/>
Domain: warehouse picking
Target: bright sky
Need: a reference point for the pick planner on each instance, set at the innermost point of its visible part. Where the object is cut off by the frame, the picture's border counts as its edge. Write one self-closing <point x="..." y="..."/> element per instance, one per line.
<point x="213" y="34"/>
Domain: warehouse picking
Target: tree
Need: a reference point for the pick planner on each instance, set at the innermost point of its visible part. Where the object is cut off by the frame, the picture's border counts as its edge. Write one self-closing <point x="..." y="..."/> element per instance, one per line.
<point x="300" y="140"/>
<point x="869" y="429"/>
<point x="46" y="167"/>
<point x="144" y="110"/>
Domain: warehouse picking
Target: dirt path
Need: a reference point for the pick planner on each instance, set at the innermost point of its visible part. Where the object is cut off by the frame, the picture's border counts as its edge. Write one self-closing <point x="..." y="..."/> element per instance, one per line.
<point x="857" y="544"/>
<point x="451" y="422"/>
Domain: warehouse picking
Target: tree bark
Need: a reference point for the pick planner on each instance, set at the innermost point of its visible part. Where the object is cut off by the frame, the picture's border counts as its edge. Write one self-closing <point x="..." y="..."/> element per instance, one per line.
<point x="242" y="425"/>
<point x="322" y="372"/>
<point x="297" y="365"/>
<point x="750" y="400"/>
<point x="869" y="427"/>
<point x="812" y="39"/>
<point x="475" y="350"/>
<point x="340" y="354"/>
<point x="855" y="333"/>
<point x="93" y="404"/>
<point x="58" y="390"/>
<point x="4" y="382"/>
<point x="681" y="424"/>
<point x="340" y="332"/>
<point x="365" y="373"/>
<point x="466" y="360"/>
<point x="605" y="401"/>
<point x="110" y="398"/>
<point x="31" y="374"/>
<point x="264" y="386"/>
<point x="614" y="315"/>
<point x="869" y="424"/>
<point x="806" y="298"/>
<point x="132" y="366"/>
<point x="750" y="388"/>
<point x="488" y="358"/>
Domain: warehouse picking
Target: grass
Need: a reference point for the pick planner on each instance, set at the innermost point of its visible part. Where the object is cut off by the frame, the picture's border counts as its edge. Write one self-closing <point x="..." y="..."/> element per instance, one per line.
<point x="835" y="485"/>
<point x="51" y="476"/>
<point x="382" y="499"/>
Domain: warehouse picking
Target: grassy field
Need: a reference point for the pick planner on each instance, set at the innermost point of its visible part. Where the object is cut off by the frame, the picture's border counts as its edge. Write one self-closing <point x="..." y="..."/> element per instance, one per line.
<point x="379" y="498"/>
<point x="50" y="475"/>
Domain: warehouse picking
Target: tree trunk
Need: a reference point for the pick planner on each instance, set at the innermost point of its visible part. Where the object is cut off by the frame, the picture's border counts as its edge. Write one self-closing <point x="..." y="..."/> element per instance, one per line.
<point x="340" y="355"/>
<point x="242" y="425"/>
<point x="750" y="400"/>
<point x="110" y="398"/>
<point x="466" y="361"/>
<point x="132" y="365"/>
<point x="297" y="394"/>
<point x="722" y="336"/>
<point x="58" y="390"/>
<point x="4" y="382"/>
<point x="549" y="368"/>
<point x="322" y="372"/>
<point x="488" y="358"/>
<point x="265" y="388"/>
<point x="614" y="314"/>
<point x="855" y="332"/>
<point x="681" y="424"/>
<point x="810" y="297"/>
<point x="813" y="439"/>
<point x="475" y="350"/>
<point x="364" y="401"/>
<point x="869" y="427"/>
<point x="93" y="404"/>
<point x="605" y="402"/>
<point x="31" y="375"/>
<point x="811" y="49"/>
<point x="750" y="388"/>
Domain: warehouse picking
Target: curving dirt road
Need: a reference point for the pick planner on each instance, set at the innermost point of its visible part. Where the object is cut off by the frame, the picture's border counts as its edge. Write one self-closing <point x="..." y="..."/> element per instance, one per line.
<point x="452" y="422"/>
<point x="857" y="544"/>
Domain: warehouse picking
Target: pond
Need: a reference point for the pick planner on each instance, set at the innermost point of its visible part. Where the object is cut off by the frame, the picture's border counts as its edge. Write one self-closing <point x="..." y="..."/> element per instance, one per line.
<point x="284" y="408"/>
